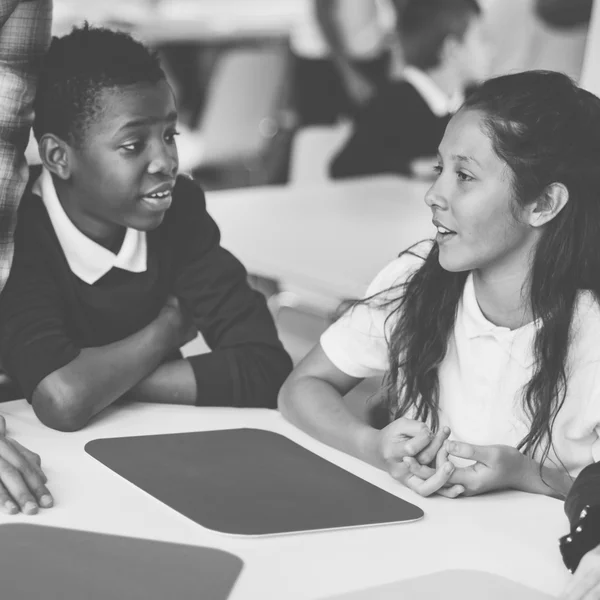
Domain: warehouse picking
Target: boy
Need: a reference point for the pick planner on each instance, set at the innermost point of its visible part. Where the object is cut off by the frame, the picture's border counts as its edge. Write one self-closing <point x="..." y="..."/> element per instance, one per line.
<point x="444" y="52"/>
<point x="117" y="263"/>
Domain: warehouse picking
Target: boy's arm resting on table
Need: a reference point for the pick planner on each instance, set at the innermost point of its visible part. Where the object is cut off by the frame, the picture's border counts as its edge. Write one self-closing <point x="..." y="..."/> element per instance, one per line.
<point x="248" y="363"/>
<point x="69" y="397"/>
<point x="67" y="385"/>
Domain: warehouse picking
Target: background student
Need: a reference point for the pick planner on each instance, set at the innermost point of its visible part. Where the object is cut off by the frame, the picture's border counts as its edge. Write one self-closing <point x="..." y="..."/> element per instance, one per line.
<point x="341" y="56"/>
<point x="489" y="333"/>
<point x="444" y="51"/>
<point x="117" y="263"/>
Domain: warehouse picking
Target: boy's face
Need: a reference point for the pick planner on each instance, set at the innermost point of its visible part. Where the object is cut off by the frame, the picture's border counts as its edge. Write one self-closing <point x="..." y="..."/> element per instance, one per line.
<point x="124" y="172"/>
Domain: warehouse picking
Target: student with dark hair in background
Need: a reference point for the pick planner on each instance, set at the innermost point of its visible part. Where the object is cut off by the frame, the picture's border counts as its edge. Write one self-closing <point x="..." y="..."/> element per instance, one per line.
<point x="117" y="262"/>
<point x="444" y="51"/>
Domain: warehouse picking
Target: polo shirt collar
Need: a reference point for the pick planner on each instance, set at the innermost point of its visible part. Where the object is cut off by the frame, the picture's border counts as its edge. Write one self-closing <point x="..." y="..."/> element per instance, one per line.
<point x="87" y="259"/>
<point x="518" y="343"/>
<point x="438" y="101"/>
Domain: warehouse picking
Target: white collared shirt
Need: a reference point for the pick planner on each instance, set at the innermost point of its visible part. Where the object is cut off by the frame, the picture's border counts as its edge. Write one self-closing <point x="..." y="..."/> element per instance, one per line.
<point x="438" y="101"/>
<point x="485" y="369"/>
<point x="87" y="259"/>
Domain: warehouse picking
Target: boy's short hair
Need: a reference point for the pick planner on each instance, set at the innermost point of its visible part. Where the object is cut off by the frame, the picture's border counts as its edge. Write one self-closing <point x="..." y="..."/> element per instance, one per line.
<point x="425" y="25"/>
<point x="77" y="68"/>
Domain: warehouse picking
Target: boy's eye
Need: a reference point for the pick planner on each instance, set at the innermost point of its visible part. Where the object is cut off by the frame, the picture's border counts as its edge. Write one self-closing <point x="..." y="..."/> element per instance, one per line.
<point x="132" y="146"/>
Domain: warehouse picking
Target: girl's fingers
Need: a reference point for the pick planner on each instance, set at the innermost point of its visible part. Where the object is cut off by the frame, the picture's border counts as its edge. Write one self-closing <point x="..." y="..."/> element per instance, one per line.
<point x="453" y="491"/>
<point x="416" y="468"/>
<point x="433" y="484"/>
<point x="427" y="456"/>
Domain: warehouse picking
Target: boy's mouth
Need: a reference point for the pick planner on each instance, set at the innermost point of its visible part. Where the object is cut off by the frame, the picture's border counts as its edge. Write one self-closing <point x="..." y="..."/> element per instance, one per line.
<point x="159" y="200"/>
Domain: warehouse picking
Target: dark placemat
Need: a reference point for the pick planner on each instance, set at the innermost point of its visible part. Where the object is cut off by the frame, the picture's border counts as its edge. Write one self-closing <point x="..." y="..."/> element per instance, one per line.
<point x="249" y="482"/>
<point x="62" y="564"/>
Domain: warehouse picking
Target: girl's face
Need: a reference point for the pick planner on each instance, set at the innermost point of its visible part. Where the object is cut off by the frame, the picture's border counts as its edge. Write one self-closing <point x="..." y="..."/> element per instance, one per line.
<point x="480" y="225"/>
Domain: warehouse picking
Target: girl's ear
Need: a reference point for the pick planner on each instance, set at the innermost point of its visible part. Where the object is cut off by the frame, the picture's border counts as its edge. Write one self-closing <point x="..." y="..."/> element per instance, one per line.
<point x="552" y="200"/>
<point x="55" y="155"/>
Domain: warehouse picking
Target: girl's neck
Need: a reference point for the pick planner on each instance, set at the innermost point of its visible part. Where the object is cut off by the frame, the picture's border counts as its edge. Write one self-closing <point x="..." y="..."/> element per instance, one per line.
<point x="504" y="297"/>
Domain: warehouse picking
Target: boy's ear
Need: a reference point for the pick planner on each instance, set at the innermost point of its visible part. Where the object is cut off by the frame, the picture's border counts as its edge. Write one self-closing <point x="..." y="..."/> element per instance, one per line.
<point x="552" y="200"/>
<point x="55" y="155"/>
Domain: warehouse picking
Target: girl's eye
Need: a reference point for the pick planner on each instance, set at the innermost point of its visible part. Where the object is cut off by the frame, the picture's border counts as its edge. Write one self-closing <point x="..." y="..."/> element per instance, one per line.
<point x="170" y="137"/>
<point x="463" y="176"/>
<point x="437" y="169"/>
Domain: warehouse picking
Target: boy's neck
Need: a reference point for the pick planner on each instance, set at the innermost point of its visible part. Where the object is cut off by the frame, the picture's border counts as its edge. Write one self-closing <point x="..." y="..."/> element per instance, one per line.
<point x="107" y="235"/>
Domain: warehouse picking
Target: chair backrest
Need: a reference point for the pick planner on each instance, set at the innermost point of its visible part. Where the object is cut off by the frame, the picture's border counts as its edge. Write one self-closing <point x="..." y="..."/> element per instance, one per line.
<point x="313" y="149"/>
<point x="246" y="95"/>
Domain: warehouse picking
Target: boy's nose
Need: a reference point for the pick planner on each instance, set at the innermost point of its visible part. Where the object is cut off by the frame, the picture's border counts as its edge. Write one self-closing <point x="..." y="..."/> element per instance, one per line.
<point x="163" y="162"/>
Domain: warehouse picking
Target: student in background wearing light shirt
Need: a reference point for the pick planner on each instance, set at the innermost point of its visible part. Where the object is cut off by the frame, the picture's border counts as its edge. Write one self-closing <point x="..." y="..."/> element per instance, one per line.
<point x="444" y="50"/>
<point x="488" y="334"/>
<point x="341" y="56"/>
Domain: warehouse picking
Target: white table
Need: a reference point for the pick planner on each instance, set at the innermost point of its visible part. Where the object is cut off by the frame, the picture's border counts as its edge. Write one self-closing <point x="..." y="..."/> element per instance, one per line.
<point x="510" y="534"/>
<point x="331" y="238"/>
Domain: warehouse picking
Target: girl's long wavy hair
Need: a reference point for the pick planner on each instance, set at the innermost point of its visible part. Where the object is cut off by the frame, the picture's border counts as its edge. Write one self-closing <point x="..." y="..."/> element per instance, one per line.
<point x="547" y="130"/>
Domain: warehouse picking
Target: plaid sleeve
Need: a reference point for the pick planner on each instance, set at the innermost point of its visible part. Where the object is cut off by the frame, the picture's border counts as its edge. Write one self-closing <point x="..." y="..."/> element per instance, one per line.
<point x="24" y="38"/>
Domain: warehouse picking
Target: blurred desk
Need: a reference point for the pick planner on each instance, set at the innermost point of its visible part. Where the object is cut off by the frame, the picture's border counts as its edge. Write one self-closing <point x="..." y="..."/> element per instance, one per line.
<point x="331" y="239"/>
<point x="511" y="534"/>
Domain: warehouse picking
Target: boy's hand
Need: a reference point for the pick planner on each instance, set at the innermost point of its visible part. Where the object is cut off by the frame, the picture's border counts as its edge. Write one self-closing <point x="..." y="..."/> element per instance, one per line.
<point x="497" y="467"/>
<point x="180" y="320"/>
<point x="406" y="438"/>
<point x="585" y="584"/>
<point x="21" y="477"/>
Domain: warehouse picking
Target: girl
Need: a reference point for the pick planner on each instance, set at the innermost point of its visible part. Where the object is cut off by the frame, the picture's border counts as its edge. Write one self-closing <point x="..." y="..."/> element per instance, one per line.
<point x="491" y="332"/>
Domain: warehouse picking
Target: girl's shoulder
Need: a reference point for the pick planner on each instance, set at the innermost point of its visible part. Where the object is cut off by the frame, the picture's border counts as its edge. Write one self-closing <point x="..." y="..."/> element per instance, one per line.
<point x="397" y="272"/>
<point x="585" y="328"/>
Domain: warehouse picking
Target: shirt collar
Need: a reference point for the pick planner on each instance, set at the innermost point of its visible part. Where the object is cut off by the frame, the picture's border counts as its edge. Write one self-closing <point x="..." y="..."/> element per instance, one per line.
<point x="439" y="103"/>
<point x="87" y="259"/>
<point x="518" y="343"/>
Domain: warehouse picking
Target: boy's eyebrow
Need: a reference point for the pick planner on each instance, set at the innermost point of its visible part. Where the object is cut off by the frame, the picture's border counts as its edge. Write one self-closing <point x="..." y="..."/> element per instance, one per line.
<point x="171" y="117"/>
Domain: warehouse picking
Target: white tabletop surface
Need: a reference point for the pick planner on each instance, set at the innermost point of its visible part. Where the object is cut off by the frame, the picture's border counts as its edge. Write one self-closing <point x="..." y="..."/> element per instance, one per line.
<point x="332" y="238"/>
<point x="511" y="534"/>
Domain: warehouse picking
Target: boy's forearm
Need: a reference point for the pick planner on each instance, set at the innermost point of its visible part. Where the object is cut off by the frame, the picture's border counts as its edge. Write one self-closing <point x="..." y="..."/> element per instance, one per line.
<point x="69" y="397"/>
<point x="171" y="383"/>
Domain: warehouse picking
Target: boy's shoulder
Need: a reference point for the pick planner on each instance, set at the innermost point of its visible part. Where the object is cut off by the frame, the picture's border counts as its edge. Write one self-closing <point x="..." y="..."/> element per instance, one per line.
<point x="188" y="202"/>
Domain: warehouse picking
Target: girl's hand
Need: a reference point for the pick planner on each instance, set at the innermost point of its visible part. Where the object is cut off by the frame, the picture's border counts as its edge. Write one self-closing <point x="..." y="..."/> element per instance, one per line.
<point x="406" y="439"/>
<point x="585" y="584"/>
<point x="497" y="467"/>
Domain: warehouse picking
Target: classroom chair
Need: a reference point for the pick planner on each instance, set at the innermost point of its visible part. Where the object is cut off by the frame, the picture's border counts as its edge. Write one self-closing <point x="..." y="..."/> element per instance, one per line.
<point x="313" y="148"/>
<point x="246" y="123"/>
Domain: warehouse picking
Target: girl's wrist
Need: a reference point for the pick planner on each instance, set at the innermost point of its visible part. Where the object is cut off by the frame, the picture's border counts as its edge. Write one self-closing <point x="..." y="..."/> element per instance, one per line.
<point x="548" y="481"/>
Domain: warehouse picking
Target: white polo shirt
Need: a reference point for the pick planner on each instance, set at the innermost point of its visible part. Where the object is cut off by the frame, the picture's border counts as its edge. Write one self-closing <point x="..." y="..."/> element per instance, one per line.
<point x="87" y="259"/>
<point x="485" y="369"/>
<point x="438" y="101"/>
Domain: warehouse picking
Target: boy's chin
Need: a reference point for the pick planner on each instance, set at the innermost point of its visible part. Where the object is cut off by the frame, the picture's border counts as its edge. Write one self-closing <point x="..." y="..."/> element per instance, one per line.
<point x="149" y="223"/>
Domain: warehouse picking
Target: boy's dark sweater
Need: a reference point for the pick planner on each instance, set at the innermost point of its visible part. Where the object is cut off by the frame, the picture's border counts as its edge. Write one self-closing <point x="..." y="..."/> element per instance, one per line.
<point x="47" y="314"/>
<point x="396" y="127"/>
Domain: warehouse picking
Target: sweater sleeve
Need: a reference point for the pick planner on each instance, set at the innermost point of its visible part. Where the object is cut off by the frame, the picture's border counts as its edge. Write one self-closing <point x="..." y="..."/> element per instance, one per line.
<point x="33" y="338"/>
<point x="248" y="363"/>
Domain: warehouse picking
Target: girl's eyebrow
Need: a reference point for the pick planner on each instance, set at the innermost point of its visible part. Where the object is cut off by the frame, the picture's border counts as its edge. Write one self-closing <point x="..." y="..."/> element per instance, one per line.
<point x="465" y="159"/>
